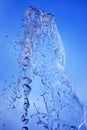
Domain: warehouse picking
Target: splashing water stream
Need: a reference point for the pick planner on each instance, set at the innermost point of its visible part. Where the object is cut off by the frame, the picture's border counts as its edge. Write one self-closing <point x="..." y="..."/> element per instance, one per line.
<point x="56" y="107"/>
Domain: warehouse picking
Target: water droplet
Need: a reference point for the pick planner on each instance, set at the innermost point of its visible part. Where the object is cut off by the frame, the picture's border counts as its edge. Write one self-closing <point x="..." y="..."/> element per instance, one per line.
<point x="24" y="119"/>
<point x="27" y="80"/>
<point x="26" y="103"/>
<point x="24" y="128"/>
<point x="3" y="124"/>
<point x="73" y="128"/>
<point x="27" y="88"/>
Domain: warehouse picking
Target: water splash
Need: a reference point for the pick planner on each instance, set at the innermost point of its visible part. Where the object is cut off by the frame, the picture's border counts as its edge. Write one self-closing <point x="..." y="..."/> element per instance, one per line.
<point x="56" y="107"/>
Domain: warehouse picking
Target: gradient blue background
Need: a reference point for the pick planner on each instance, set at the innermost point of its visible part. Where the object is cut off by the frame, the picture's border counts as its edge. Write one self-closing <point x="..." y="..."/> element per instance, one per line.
<point x="71" y="17"/>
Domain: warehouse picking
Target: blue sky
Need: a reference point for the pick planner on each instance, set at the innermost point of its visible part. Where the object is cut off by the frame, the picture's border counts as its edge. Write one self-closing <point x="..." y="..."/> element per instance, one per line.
<point x="71" y="17"/>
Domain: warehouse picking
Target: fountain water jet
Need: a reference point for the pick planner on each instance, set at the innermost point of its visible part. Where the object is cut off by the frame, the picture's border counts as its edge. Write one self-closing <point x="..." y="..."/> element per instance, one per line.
<point x="57" y="107"/>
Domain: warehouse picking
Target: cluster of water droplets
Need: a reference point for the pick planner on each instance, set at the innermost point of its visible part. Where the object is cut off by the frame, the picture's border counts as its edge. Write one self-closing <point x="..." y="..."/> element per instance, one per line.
<point x="10" y="94"/>
<point x="26" y="82"/>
